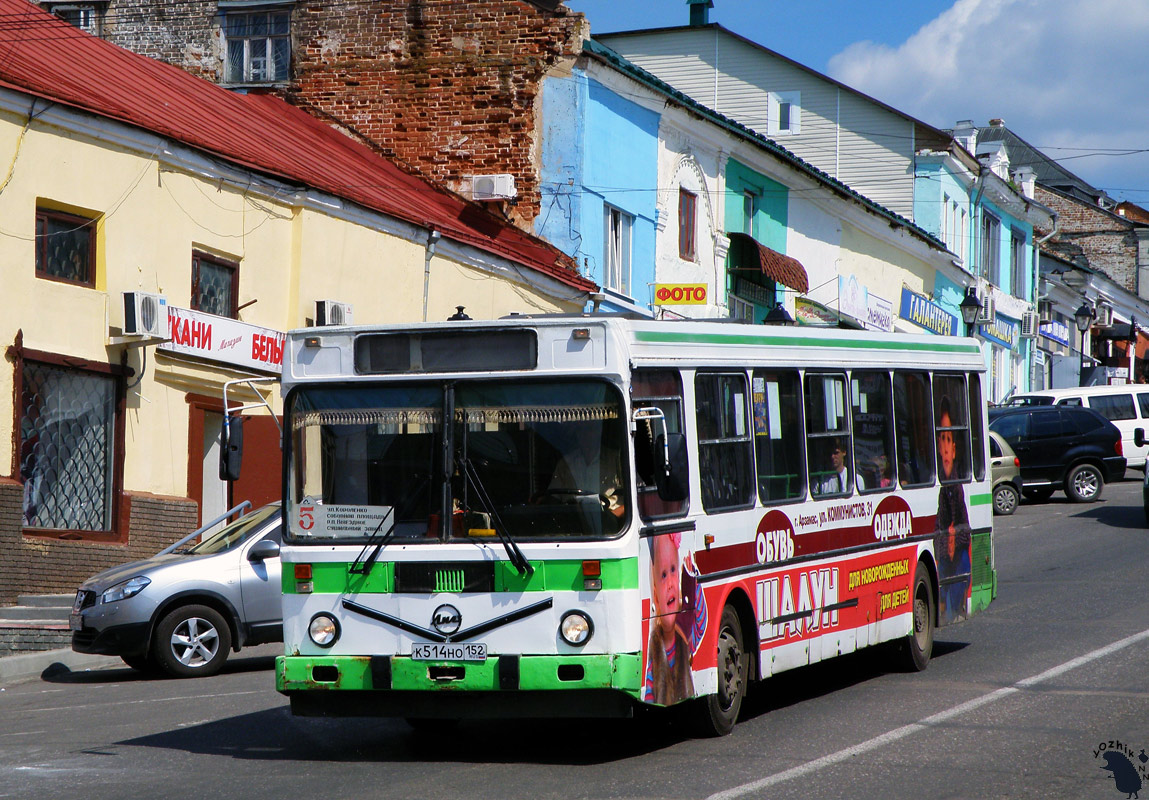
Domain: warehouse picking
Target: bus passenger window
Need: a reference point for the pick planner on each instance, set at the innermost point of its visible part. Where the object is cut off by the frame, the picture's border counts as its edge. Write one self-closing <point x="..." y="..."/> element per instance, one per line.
<point x="660" y="389"/>
<point x="828" y="436"/>
<point x="778" y="451"/>
<point x="952" y="425"/>
<point x="913" y="430"/>
<point x="725" y="457"/>
<point x="872" y="408"/>
<point x="976" y="429"/>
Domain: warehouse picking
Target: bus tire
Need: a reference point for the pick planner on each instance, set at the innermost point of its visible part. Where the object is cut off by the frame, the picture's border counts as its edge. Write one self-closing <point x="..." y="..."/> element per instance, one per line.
<point x="919" y="645"/>
<point x="716" y="714"/>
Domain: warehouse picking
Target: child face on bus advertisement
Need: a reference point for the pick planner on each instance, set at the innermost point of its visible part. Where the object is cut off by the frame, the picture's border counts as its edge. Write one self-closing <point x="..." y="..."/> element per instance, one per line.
<point x="666" y="585"/>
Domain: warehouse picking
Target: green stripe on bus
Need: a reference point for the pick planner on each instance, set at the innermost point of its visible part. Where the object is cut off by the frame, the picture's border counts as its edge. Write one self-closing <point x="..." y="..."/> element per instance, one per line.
<point x="622" y="671"/>
<point x="980" y="499"/>
<point x="549" y="576"/>
<point x="766" y="340"/>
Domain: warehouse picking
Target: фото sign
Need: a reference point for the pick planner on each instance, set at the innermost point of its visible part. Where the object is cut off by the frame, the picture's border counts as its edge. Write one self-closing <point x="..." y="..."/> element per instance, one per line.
<point x="235" y="343"/>
<point x="680" y="294"/>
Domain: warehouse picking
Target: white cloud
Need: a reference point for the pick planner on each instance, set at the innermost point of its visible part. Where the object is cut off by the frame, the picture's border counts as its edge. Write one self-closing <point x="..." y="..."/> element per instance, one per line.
<point x="1061" y="73"/>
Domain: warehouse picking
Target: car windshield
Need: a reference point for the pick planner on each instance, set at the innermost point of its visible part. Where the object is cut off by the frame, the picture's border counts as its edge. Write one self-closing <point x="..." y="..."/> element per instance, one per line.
<point x="525" y="460"/>
<point x="235" y="534"/>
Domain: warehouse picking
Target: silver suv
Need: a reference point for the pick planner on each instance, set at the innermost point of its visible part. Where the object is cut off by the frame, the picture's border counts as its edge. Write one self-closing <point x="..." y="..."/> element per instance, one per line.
<point x="181" y="612"/>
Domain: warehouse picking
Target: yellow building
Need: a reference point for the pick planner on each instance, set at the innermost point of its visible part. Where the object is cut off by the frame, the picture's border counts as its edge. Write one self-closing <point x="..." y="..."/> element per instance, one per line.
<point x="159" y="236"/>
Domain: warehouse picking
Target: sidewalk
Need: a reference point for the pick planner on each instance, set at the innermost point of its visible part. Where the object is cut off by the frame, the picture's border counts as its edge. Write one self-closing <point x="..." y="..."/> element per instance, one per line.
<point x="23" y="667"/>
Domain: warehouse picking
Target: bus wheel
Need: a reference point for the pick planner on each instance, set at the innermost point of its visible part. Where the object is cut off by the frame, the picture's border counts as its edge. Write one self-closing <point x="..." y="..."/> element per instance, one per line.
<point x="716" y="714"/>
<point x="920" y="643"/>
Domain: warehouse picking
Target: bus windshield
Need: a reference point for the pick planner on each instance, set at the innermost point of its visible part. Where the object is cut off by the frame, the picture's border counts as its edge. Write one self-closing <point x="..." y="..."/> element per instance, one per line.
<point x="539" y="460"/>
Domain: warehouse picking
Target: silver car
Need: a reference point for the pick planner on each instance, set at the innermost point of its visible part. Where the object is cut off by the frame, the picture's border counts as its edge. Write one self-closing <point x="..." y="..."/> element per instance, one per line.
<point x="182" y="612"/>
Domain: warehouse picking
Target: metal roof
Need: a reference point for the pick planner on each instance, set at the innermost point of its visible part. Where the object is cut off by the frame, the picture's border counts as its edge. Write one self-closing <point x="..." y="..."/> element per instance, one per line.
<point x="44" y="56"/>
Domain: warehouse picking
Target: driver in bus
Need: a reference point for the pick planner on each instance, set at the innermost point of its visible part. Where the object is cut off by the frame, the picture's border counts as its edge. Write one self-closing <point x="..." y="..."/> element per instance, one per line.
<point x="589" y="465"/>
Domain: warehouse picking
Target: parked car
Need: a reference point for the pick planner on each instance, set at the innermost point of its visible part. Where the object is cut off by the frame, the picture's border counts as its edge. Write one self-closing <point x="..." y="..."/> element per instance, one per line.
<point x="1125" y="405"/>
<point x="1006" y="473"/>
<point x="183" y="612"/>
<point x="1061" y="447"/>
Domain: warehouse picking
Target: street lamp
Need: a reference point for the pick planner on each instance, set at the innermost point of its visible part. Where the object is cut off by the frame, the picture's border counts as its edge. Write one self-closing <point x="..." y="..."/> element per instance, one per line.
<point x="1083" y="317"/>
<point x="970" y="307"/>
<point x="778" y="316"/>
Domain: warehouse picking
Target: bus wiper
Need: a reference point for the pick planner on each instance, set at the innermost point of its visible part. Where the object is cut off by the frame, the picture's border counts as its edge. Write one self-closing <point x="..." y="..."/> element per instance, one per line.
<point x="361" y="566"/>
<point x="518" y="560"/>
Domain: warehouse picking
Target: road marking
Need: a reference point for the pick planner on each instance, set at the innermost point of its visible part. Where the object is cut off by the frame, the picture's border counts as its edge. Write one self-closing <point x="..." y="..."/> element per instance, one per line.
<point x="71" y="708"/>
<point x="925" y="724"/>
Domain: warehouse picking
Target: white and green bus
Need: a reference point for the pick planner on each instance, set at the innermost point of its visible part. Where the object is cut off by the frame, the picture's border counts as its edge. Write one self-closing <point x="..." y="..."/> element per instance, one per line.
<point x="578" y="514"/>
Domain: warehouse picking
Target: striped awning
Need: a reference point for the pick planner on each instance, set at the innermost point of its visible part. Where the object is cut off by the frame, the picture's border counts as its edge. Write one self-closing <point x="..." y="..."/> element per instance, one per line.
<point x="780" y="268"/>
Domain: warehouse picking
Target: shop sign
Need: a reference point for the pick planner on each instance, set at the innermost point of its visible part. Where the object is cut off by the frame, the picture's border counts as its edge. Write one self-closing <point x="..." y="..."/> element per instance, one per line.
<point x="1056" y="331"/>
<point x="855" y="300"/>
<point x="1001" y="331"/>
<point x="680" y="294"/>
<point x="235" y="343"/>
<point x="927" y="314"/>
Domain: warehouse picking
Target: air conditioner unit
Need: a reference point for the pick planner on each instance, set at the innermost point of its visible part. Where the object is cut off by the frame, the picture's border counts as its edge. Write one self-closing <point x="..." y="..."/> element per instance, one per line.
<point x="1045" y="310"/>
<point x="145" y="314"/>
<point x="1104" y="317"/>
<point x="1030" y="322"/>
<point x="493" y="187"/>
<point x="331" y="312"/>
<point x="987" y="313"/>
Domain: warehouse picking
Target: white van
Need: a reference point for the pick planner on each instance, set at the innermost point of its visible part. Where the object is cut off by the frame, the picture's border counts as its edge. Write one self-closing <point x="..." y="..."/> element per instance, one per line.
<point x="1125" y="406"/>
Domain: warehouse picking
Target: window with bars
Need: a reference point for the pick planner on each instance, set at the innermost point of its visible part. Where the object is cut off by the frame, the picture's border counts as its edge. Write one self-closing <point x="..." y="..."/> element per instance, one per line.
<point x="67" y="435"/>
<point x="65" y="247"/>
<point x="215" y="285"/>
<point x="258" y="45"/>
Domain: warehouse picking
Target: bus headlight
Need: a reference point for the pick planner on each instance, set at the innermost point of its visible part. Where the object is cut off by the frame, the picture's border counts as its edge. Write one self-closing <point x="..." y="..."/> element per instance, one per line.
<point x="576" y="628"/>
<point x="323" y="630"/>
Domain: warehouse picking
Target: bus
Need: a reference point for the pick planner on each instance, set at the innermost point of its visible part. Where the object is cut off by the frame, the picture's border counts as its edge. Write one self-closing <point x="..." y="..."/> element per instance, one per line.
<point x="579" y="515"/>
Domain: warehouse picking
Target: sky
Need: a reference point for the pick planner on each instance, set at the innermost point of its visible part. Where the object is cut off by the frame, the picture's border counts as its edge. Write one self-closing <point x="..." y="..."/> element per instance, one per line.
<point x="1067" y="76"/>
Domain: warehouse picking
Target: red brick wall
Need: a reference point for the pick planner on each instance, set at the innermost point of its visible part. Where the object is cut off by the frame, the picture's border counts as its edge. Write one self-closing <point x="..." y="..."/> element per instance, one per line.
<point x="1106" y="241"/>
<point x="29" y="565"/>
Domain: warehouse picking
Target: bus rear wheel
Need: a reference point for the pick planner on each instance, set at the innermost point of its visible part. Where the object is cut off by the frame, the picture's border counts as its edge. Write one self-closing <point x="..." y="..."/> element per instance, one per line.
<point x="919" y="645"/>
<point x="716" y="714"/>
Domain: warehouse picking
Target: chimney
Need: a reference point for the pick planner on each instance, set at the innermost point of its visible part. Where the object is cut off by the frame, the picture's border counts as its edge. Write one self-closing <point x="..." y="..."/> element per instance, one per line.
<point x="965" y="134"/>
<point x="700" y="12"/>
<point x="1025" y="178"/>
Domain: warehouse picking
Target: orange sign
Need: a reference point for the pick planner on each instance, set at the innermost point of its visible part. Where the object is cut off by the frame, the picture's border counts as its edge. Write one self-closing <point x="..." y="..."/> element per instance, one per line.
<point x="680" y="294"/>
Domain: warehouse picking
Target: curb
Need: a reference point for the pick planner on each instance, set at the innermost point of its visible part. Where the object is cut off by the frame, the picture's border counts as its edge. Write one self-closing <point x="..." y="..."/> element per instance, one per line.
<point x="24" y="667"/>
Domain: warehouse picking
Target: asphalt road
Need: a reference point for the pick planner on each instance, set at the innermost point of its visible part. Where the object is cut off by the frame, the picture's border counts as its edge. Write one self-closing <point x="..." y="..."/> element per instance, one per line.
<point x="1016" y="703"/>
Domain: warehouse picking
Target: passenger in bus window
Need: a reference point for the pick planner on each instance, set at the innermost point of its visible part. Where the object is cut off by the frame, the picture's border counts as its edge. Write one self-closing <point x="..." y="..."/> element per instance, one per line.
<point x="952" y="533"/>
<point x="837" y="477"/>
<point x="678" y="622"/>
<point x="589" y="465"/>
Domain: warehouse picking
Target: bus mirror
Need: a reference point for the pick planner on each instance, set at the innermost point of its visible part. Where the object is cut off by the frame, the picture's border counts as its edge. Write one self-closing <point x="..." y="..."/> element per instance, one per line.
<point x="1139" y="437"/>
<point x="672" y="480"/>
<point x="231" y="448"/>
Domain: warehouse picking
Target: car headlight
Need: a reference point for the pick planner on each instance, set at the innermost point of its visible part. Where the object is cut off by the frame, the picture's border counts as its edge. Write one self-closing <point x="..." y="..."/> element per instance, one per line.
<point x="323" y="630"/>
<point x="576" y="628"/>
<point x="122" y="591"/>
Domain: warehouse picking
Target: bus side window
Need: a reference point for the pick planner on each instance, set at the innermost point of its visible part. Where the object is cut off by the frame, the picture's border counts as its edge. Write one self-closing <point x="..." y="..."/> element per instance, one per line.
<point x="872" y="407"/>
<point x="725" y="452"/>
<point x="649" y="389"/>
<point x="778" y="451"/>
<point x="951" y="422"/>
<point x="828" y="435"/>
<point x="976" y="429"/>
<point x="913" y="428"/>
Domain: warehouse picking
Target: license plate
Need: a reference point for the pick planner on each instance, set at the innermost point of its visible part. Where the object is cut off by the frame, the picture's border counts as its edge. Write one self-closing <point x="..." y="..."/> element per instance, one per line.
<point x="449" y="652"/>
<point x="74" y="622"/>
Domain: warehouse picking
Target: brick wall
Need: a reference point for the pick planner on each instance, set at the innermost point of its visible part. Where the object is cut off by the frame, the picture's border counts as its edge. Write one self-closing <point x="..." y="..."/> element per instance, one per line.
<point x="1105" y="241"/>
<point x="29" y="565"/>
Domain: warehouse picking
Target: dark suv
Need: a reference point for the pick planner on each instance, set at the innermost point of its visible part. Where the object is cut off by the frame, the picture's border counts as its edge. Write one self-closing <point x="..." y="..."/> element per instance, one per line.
<point x="1061" y="447"/>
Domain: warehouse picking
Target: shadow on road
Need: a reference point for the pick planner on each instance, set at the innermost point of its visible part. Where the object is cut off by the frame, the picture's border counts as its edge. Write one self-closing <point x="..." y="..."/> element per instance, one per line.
<point x="118" y="672"/>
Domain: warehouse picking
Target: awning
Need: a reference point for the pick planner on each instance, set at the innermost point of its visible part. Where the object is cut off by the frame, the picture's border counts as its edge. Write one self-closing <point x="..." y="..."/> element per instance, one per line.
<point x="783" y="269"/>
<point x="1118" y="331"/>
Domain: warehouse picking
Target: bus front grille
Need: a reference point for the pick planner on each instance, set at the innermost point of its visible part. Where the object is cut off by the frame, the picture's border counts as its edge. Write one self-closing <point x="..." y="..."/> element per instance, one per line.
<point x="452" y="576"/>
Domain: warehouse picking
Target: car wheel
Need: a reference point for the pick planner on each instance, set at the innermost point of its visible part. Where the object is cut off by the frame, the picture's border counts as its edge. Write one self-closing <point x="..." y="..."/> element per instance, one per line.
<point x="192" y="641"/>
<point x="1037" y="495"/>
<point x="1005" y="500"/>
<point x="716" y="714"/>
<point x="1083" y="484"/>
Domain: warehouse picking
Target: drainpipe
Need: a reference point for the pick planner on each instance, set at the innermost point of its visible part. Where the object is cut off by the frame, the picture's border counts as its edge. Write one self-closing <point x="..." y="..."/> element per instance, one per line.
<point x="432" y="239"/>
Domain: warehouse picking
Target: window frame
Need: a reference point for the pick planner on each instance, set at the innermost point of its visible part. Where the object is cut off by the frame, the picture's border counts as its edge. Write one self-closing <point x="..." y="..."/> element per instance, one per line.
<point x="760" y="416"/>
<point x="617" y="248"/>
<point x="199" y="257"/>
<point x="991" y="248"/>
<point x="268" y="38"/>
<point x="648" y="499"/>
<point x="1017" y="244"/>
<point x="44" y="215"/>
<point x="816" y="439"/>
<point x="744" y="443"/>
<point x="118" y="372"/>
<point x="792" y="100"/>
<point x="889" y="448"/>
<point x="687" y="224"/>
